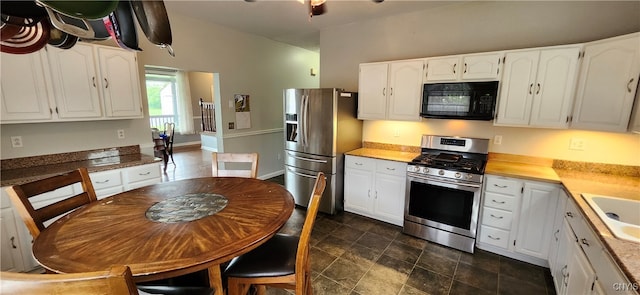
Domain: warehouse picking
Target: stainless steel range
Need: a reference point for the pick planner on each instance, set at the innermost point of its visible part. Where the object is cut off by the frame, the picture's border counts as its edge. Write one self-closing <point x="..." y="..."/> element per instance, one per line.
<point x="443" y="190"/>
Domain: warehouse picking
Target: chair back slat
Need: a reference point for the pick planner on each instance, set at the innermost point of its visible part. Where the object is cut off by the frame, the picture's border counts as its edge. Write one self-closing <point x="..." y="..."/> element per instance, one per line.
<point x="35" y="218"/>
<point x="117" y="280"/>
<point x="248" y="159"/>
<point x="302" y="254"/>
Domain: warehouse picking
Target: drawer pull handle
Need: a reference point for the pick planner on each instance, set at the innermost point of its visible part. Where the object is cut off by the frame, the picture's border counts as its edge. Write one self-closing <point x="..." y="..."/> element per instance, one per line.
<point x="142" y="174"/>
<point x="102" y="181"/>
<point x="490" y="237"/>
<point x="584" y="242"/>
<point x="498" y="217"/>
<point x="500" y="186"/>
<point x="13" y="244"/>
<point x="502" y="202"/>
<point x="391" y="169"/>
<point x="359" y="164"/>
<point x="570" y="214"/>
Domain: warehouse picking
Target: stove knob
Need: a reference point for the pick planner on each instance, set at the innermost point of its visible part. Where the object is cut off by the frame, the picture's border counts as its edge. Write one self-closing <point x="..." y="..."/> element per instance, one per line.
<point x="458" y="175"/>
<point x="441" y="172"/>
<point x="469" y="176"/>
<point x="425" y="170"/>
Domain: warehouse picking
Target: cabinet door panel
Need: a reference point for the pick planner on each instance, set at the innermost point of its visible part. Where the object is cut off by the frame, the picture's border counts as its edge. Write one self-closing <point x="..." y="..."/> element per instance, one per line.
<point x="555" y="84"/>
<point x="484" y="66"/>
<point x="357" y="191"/>
<point x="372" y="92"/>
<point x="581" y="275"/>
<point x="443" y="69"/>
<point x="405" y="90"/>
<point x="536" y="219"/>
<point x="517" y="86"/>
<point x="23" y="88"/>
<point x="75" y="82"/>
<point x="120" y="83"/>
<point x="10" y="242"/>
<point x="389" y="198"/>
<point x="609" y="70"/>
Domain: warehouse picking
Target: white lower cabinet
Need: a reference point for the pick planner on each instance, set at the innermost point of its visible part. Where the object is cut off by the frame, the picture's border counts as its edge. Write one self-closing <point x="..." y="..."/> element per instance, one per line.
<point x="15" y="239"/>
<point x="581" y="265"/>
<point x="375" y="188"/>
<point x="517" y="218"/>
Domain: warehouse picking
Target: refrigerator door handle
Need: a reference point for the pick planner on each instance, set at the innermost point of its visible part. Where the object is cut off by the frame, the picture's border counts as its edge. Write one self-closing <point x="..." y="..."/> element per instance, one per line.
<point x="307" y="159"/>
<point x="306" y="121"/>
<point x="302" y="174"/>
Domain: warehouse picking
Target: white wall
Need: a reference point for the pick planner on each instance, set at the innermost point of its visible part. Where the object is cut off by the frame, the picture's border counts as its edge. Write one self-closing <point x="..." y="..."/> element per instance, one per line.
<point x="479" y="27"/>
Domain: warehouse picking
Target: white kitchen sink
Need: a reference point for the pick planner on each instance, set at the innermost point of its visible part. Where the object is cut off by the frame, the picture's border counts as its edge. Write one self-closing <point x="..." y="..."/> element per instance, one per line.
<point x="621" y="216"/>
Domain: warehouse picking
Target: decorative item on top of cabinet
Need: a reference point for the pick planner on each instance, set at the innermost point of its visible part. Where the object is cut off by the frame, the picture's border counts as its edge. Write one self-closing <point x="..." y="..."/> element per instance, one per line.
<point x="607" y="84"/>
<point x="537" y="87"/>
<point x="483" y="66"/>
<point x="67" y="85"/>
<point x="375" y="188"/>
<point x="390" y="90"/>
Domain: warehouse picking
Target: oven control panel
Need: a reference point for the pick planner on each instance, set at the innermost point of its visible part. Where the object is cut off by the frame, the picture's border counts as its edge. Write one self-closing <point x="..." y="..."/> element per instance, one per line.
<point x="443" y="173"/>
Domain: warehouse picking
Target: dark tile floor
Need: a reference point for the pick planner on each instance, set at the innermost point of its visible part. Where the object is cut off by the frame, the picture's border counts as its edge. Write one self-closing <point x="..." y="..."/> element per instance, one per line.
<point x="356" y="255"/>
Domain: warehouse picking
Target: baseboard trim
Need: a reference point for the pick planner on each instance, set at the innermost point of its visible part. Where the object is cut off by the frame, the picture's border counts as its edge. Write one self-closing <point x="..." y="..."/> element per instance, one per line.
<point x="271" y="175"/>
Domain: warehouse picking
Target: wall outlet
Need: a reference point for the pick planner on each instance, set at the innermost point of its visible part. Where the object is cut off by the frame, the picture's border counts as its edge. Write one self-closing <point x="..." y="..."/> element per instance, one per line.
<point x="497" y="140"/>
<point x="577" y="144"/>
<point x="16" y="141"/>
<point x="120" y="133"/>
<point x="232" y="125"/>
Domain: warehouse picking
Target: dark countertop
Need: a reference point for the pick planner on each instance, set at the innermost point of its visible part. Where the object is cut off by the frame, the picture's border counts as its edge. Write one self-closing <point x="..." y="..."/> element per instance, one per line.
<point x="23" y="170"/>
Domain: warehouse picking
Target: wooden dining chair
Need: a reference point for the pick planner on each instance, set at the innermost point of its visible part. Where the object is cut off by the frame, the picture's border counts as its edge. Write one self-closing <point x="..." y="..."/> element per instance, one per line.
<point x="281" y="262"/>
<point x="251" y="158"/>
<point x="35" y="218"/>
<point x="169" y="132"/>
<point x="117" y="280"/>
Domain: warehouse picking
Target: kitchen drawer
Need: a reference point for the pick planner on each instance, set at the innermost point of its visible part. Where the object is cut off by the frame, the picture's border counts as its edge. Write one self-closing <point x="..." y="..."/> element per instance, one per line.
<point x="360" y="163"/>
<point x="497" y="218"/>
<point x="573" y="215"/>
<point x="106" y="179"/>
<point x="494" y="236"/>
<point x="503" y="185"/>
<point x="142" y="173"/>
<point x="391" y="167"/>
<point x="500" y="201"/>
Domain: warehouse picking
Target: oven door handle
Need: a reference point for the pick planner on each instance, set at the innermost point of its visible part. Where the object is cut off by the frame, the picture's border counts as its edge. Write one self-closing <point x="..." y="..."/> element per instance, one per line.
<point x="411" y="176"/>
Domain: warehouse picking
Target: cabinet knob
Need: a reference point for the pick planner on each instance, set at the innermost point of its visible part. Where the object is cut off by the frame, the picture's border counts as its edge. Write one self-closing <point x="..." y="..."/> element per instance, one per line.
<point x="584" y="242"/>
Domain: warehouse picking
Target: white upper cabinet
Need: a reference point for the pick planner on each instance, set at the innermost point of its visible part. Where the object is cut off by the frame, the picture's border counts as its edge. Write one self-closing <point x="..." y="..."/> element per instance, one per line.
<point x="607" y="84"/>
<point x="372" y="91"/>
<point x="86" y="82"/>
<point x="634" y="124"/>
<point x="75" y="83"/>
<point x="390" y="91"/>
<point x="537" y="87"/>
<point x="485" y="66"/>
<point x="23" y="89"/>
<point x="121" y="84"/>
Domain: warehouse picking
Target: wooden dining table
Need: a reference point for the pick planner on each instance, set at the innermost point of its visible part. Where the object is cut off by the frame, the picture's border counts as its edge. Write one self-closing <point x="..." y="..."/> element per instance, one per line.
<point x="168" y="229"/>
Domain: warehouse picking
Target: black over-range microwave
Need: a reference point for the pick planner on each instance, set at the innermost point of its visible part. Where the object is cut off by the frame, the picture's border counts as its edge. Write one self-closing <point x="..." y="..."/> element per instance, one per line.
<point x="463" y="100"/>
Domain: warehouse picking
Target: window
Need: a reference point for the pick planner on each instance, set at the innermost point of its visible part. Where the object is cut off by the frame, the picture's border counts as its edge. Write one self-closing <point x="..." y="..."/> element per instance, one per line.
<point x="162" y="97"/>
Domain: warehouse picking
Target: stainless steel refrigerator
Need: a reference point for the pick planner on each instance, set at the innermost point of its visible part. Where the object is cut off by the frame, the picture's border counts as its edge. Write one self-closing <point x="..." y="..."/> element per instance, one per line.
<point x="320" y="126"/>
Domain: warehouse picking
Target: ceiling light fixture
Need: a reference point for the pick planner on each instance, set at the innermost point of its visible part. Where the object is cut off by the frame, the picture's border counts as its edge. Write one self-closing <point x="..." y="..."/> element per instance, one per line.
<point x="316" y="7"/>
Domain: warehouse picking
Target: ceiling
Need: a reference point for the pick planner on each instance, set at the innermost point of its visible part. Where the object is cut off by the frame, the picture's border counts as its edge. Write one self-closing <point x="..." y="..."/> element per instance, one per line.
<point x="288" y="21"/>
